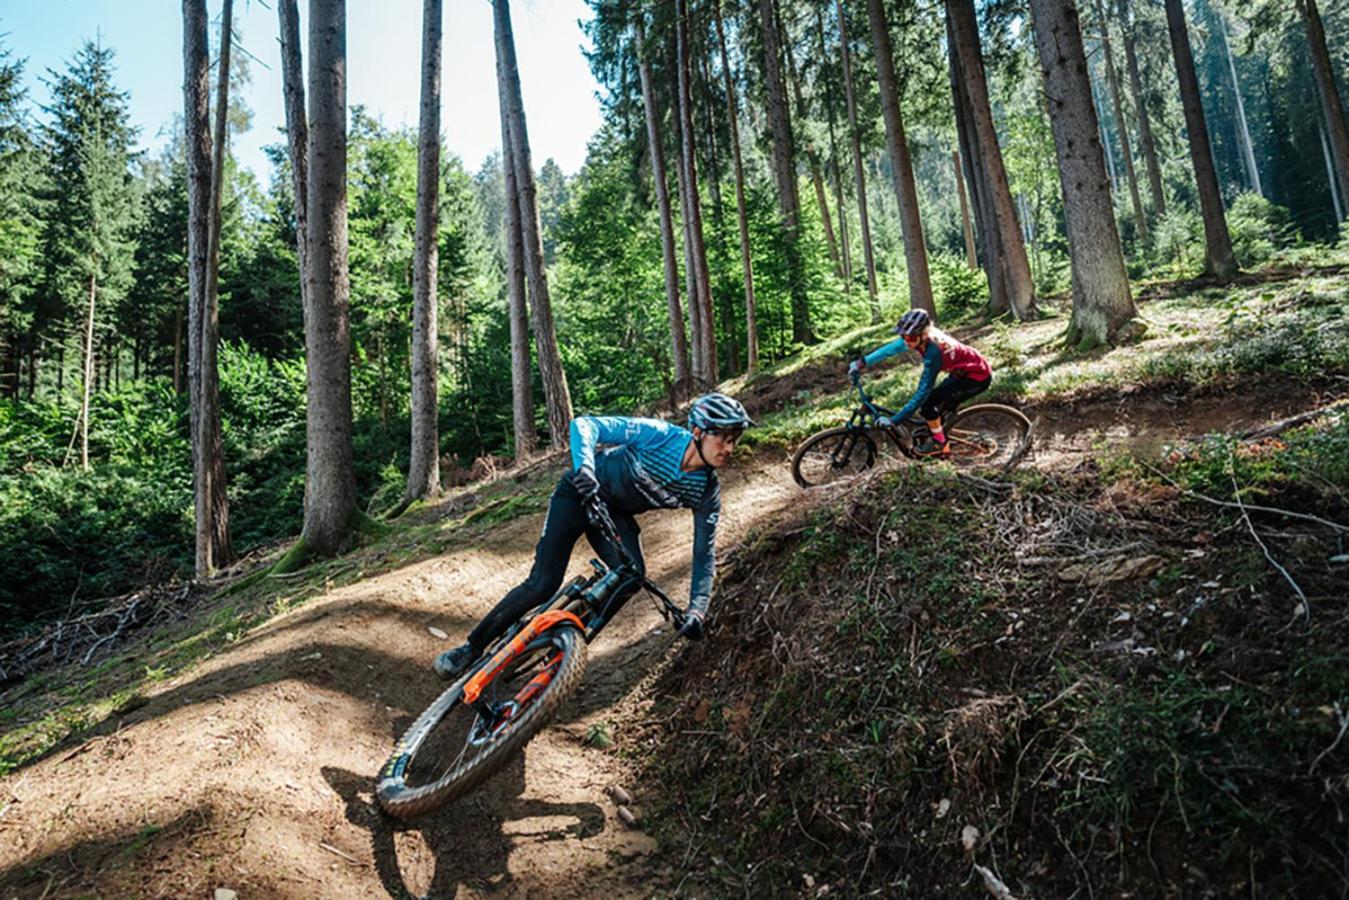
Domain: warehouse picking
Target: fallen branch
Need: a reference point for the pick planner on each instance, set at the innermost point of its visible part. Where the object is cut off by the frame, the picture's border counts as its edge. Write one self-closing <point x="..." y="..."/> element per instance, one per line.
<point x="347" y="856"/>
<point x="1283" y="425"/>
<point x="1306" y="517"/>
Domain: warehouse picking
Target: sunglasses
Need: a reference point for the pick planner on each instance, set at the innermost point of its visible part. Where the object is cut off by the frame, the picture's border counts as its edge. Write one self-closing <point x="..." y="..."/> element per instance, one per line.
<point x="727" y="435"/>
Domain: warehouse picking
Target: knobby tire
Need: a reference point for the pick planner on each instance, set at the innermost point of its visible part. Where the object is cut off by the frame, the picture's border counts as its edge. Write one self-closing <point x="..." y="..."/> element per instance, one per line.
<point x="433" y="734"/>
<point x="812" y="466"/>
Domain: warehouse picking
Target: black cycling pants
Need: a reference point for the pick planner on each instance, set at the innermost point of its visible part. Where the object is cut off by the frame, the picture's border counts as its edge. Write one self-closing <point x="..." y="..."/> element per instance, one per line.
<point x="565" y="524"/>
<point x="953" y="391"/>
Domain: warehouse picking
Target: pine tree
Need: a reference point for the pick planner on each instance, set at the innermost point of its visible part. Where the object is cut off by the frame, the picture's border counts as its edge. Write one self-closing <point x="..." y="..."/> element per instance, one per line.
<point x="20" y="225"/>
<point x="88" y="243"/>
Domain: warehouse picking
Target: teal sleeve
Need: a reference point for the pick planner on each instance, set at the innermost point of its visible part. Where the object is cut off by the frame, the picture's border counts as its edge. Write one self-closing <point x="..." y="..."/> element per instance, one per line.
<point x="588" y="432"/>
<point x="705" y="547"/>
<point x="931" y="366"/>
<point x="883" y="353"/>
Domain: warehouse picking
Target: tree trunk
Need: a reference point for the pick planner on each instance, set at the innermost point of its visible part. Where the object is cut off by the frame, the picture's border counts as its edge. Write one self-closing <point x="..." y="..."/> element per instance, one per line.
<point x="88" y="373"/>
<point x="695" y="306"/>
<point x="859" y="175"/>
<point x="424" y="462"/>
<point x="719" y="216"/>
<point x="215" y="530"/>
<point x="1102" y="304"/>
<point x="971" y="258"/>
<point x="1149" y="146"/>
<point x="704" y="336"/>
<point x="1218" y="258"/>
<point x="297" y="128"/>
<point x="555" y="391"/>
<point x="746" y="264"/>
<point x="784" y="171"/>
<point x="910" y="222"/>
<point x="1335" y="201"/>
<point x="1247" y="147"/>
<point x="845" y="250"/>
<point x="197" y="136"/>
<point x="522" y="382"/>
<point x="981" y="194"/>
<point x="1331" y="107"/>
<point x="1016" y="267"/>
<point x="330" y="490"/>
<point x="813" y="158"/>
<point x="1117" y="105"/>
<point x="678" y="339"/>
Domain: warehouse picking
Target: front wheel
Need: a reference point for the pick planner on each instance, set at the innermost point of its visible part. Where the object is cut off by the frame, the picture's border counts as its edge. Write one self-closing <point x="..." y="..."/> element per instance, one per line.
<point x="452" y="748"/>
<point x="832" y="455"/>
<point x="988" y="436"/>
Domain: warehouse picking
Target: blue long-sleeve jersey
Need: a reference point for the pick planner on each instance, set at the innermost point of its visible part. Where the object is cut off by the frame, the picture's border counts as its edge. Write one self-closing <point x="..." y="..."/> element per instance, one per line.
<point x="932" y="365"/>
<point x="637" y="463"/>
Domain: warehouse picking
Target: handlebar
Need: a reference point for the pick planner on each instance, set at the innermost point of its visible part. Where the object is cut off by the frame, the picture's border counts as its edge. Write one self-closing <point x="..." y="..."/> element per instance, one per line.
<point x="667" y="607"/>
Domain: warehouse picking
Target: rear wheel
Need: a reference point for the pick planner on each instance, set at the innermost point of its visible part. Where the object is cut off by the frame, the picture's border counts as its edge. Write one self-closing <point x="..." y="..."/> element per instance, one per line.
<point x="988" y="436"/>
<point x="835" y="454"/>
<point x="452" y="748"/>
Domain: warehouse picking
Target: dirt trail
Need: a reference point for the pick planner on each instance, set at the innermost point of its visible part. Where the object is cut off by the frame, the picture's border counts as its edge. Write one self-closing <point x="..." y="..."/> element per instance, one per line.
<point x="254" y="771"/>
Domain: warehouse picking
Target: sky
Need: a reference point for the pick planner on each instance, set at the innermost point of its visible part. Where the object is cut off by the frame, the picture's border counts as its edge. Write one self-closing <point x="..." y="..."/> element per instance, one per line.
<point x="384" y="58"/>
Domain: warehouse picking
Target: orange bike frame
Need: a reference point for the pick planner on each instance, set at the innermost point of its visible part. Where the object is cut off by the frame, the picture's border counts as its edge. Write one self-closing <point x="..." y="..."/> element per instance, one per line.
<point x="537" y="625"/>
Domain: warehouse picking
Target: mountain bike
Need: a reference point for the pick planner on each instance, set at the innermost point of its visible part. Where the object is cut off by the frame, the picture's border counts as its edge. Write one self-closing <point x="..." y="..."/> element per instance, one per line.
<point x="986" y="436"/>
<point x="478" y="723"/>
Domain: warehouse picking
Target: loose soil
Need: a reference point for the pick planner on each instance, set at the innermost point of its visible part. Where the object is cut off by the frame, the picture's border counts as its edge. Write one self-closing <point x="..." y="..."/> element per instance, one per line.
<point x="254" y="771"/>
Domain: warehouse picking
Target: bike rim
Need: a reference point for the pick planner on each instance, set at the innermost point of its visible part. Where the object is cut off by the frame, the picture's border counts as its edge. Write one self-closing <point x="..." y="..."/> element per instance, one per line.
<point x="835" y="457"/>
<point x="986" y="438"/>
<point x="462" y="736"/>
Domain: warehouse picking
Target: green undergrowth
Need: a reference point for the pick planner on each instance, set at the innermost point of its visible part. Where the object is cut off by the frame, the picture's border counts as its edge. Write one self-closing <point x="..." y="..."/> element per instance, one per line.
<point x="55" y="706"/>
<point x="1095" y="679"/>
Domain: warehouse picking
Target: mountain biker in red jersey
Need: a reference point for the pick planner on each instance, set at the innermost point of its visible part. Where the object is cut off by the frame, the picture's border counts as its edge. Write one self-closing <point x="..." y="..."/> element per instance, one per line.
<point x="621" y="467"/>
<point x="968" y="374"/>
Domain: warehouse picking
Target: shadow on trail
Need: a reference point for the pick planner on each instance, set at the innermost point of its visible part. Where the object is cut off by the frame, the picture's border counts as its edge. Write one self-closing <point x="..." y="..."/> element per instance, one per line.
<point x="465" y="844"/>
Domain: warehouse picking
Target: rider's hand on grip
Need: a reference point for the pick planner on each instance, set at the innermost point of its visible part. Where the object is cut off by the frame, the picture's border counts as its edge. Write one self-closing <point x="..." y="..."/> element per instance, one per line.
<point x="855" y="369"/>
<point x="692" y="629"/>
<point x="585" y="482"/>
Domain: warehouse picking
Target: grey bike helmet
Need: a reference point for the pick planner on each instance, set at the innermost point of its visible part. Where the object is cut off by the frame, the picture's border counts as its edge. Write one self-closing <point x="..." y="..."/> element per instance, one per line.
<point x="915" y="321"/>
<point x="717" y="412"/>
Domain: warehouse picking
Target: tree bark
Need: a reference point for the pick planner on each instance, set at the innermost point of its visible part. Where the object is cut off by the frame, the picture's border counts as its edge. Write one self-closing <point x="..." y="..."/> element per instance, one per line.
<point x="1218" y="258"/>
<point x="1149" y="146"/>
<point x="297" y="127"/>
<point x="678" y="339"/>
<point x="859" y="175"/>
<point x="1117" y="105"/>
<point x="1016" y="267"/>
<point x="695" y="307"/>
<point x="215" y="529"/>
<point x="813" y="159"/>
<point x="976" y="179"/>
<point x="555" y="391"/>
<point x="88" y="379"/>
<point x="784" y="170"/>
<point x="732" y="343"/>
<point x="704" y="336"/>
<point x="424" y="461"/>
<point x="746" y="263"/>
<point x="197" y="137"/>
<point x="330" y="490"/>
<point x="1336" y="128"/>
<point x="1102" y="304"/>
<point x="522" y="382"/>
<point x="971" y="258"/>
<point x="910" y="222"/>
<point x="1330" y="176"/>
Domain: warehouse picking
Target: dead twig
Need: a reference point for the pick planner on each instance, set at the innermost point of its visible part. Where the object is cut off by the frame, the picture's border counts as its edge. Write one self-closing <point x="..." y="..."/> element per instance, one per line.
<point x="1307" y="517"/>
<point x="1279" y="427"/>
<point x="1236" y="492"/>
<point x="1344" y="726"/>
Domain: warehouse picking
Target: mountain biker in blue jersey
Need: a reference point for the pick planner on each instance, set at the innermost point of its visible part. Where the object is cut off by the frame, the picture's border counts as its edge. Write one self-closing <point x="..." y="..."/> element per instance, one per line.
<point x="622" y="467"/>
<point x="968" y="374"/>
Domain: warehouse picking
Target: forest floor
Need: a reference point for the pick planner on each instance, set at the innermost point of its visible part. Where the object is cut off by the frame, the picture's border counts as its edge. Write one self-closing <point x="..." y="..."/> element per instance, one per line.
<point x="238" y="748"/>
